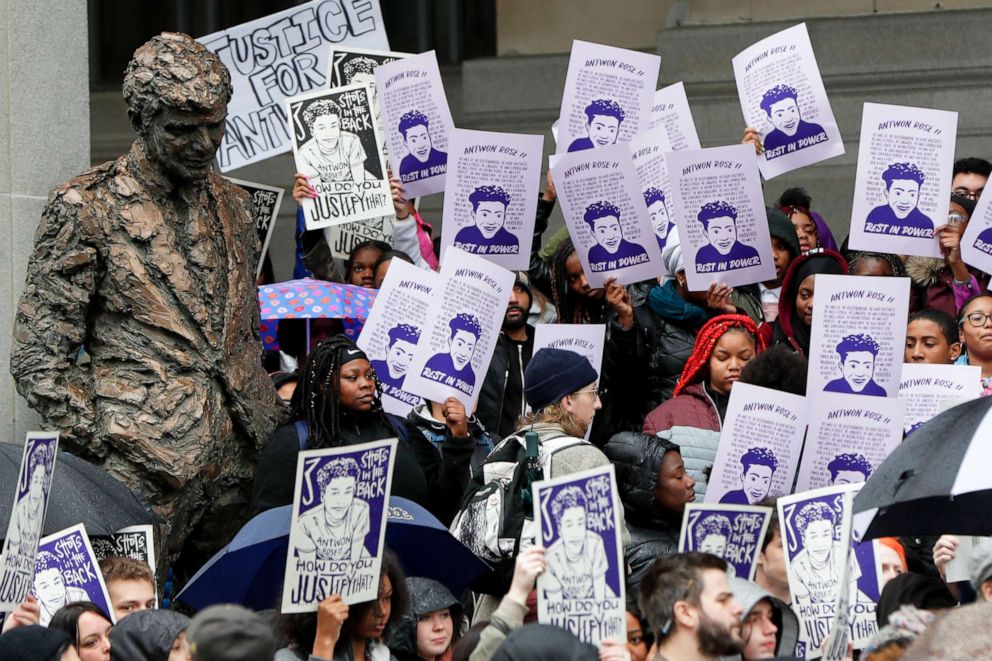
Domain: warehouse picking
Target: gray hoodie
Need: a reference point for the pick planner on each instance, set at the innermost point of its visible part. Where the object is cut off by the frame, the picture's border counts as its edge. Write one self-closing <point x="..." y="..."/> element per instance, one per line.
<point x="749" y="594"/>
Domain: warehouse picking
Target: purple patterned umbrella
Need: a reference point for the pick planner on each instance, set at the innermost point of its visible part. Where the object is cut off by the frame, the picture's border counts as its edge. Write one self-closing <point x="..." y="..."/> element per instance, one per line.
<point x="317" y="299"/>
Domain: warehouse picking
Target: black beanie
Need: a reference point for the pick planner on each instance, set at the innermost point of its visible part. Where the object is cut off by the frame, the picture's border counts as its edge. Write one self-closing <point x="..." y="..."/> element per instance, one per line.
<point x="781" y="228"/>
<point x="33" y="643"/>
<point x="553" y="373"/>
<point x="926" y="592"/>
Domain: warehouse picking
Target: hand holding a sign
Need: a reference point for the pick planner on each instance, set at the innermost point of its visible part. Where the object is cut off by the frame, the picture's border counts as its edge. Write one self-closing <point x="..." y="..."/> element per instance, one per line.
<point x="950" y="245"/>
<point x="619" y="300"/>
<point x="399" y="197"/>
<point x="455" y="418"/>
<point x="28" y="613"/>
<point x="550" y="194"/>
<point x="530" y="564"/>
<point x="719" y="297"/>
<point x="753" y="136"/>
<point x="611" y="650"/>
<point x="331" y="614"/>
<point x="302" y="188"/>
<point x="944" y="551"/>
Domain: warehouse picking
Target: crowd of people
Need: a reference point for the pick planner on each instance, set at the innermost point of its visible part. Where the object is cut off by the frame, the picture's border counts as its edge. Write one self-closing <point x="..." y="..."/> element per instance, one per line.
<point x="654" y="411"/>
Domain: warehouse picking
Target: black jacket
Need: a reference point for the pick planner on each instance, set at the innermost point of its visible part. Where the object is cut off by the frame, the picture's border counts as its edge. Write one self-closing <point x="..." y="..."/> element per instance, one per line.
<point x="501" y="400"/>
<point x="146" y="635"/>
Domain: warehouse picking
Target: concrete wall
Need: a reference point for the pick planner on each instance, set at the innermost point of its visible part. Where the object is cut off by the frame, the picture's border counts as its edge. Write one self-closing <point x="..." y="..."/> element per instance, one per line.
<point x="44" y="139"/>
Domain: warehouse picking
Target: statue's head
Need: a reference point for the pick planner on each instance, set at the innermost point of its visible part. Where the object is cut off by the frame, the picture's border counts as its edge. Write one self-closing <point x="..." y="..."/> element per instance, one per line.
<point x="176" y="93"/>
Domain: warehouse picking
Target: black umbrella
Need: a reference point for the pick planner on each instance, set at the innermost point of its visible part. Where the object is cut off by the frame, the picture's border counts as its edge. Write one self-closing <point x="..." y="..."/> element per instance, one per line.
<point x="81" y="493"/>
<point x="938" y="480"/>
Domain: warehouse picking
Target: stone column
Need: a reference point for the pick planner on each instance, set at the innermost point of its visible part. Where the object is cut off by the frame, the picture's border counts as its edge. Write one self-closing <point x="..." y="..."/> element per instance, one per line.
<point x="44" y="140"/>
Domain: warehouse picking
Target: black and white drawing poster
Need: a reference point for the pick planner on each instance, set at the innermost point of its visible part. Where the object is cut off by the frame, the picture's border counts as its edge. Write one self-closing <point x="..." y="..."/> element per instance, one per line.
<point x="463" y="323"/>
<point x="903" y="184"/>
<point x="392" y="331"/>
<point x="418" y="121"/>
<point x="336" y="144"/>
<point x="607" y="98"/>
<point x="66" y="570"/>
<point x="732" y="532"/>
<point x="338" y="531"/>
<point x="670" y="110"/>
<point x="720" y="212"/>
<point x="279" y="56"/>
<point x="579" y="523"/>
<point x="782" y="95"/>
<point x="760" y="444"/>
<point x="135" y="542"/>
<point x="265" y="203"/>
<point x="344" y="238"/>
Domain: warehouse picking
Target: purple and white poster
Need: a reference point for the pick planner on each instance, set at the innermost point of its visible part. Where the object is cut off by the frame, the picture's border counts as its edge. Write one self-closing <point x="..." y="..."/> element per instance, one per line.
<point x="976" y="242"/>
<point x="603" y="205"/>
<point x="135" y="542"/>
<point x="648" y="152"/>
<point x="903" y="184"/>
<point x="66" y="570"/>
<point x="670" y="110"/>
<point x="584" y="339"/>
<point x="732" y="532"/>
<point x="760" y="444"/>
<point x="265" y="203"/>
<point x="392" y="331"/>
<point x="279" y="56"/>
<point x="338" y="532"/>
<point x="720" y="212"/>
<point x="849" y="436"/>
<point x="816" y="533"/>
<point x="27" y="518"/>
<point x="782" y="96"/>
<point x="607" y="98"/>
<point x="924" y="386"/>
<point x="582" y="590"/>
<point x="491" y="195"/>
<point x="336" y="143"/>
<point x="418" y="122"/>
<point x="858" y="336"/>
<point x="463" y="323"/>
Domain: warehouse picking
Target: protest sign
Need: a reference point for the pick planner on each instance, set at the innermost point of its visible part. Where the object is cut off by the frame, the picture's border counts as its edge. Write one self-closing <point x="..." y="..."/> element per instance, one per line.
<point x="582" y="590"/>
<point x="732" y="532"/>
<point x="135" y="542"/>
<point x="720" y="212"/>
<point x="344" y="238"/>
<point x="849" y="436"/>
<point x="27" y="518"/>
<point x="279" y="56"/>
<point x="607" y="98"/>
<point x="782" y="96"/>
<point x="265" y="203"/>
<point x="603" y="206"/>
<point x="957" y="569"/>
<point x="866" y="361"/>
<point x="463" y="322"/>
<point x="903" y="184"/>
<point x="418" y="121"/>
<point x="66" y="570"/>
<point x="760" y="443"/>
<point x="924" y="386"/>
<point x="337" y="535"/>
<point x="648" y="153"/>
<point x="670" y="109"/>
<point x="816" y="534"/>
<point x="584" y="339"/>
<point x="392" y="331"/>
<point x="976" y="242"/>
<point x="491" y="191"/>
<point x="336" y="144"/>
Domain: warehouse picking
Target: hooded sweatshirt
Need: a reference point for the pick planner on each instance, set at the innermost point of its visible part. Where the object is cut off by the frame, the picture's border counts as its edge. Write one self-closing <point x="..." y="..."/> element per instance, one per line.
<point x="749" y="593"/>
<point x="146" y="635"/>
<point x="426" y="596"/>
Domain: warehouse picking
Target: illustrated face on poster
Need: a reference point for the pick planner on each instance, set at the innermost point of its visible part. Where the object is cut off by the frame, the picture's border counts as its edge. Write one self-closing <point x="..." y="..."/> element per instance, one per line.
<point x="648" y="153"/>
<point x="720" y="213"/>
<point x="491" y="201"/>
<point x="816" y="534"/>
<point x="582" y="590"/>
<point x="265" y="203"/>
<point x="924" y="386"/>
<point x="903" y="182"/>
<point x="607" y="97"/>
<point x="351" y="66"/>
<point x="849" y="436"/>
<point x="27" y="518"/>
<point x="136" y="542"/>
<point x="606" y="216"/>
<point x="263" y="74"/>
<point x="463" y="322"/>
<point x="976" y="242"/>
<point x="760" y="444"/>
<point x="393" y="330"/>
<point x="336" y="143"/>
<point x="670" y="110"/>
<point x="867" y="362"/>
<point x="584" y="339"/>
<point x="731" y="532"/>
<point x="66" y="570"/>
<point x="418" y="121"/>
<point x="339" y="517"/>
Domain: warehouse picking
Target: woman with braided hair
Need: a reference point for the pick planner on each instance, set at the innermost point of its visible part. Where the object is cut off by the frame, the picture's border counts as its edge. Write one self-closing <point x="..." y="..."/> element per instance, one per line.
<point x="337" y="403"/>
<point x="693" y="417"/>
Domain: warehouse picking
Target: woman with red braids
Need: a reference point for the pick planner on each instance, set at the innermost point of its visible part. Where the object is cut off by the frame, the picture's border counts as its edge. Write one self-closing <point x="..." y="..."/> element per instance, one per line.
<point x="693" y="417"/>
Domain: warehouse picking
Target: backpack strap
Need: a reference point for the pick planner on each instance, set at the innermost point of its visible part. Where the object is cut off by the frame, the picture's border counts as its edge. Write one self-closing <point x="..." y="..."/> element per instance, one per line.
<point x="302" y="433"/>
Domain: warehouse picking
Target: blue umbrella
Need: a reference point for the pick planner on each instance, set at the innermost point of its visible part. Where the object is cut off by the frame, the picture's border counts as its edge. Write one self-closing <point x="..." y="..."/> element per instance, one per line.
<point x="250" y="570"/>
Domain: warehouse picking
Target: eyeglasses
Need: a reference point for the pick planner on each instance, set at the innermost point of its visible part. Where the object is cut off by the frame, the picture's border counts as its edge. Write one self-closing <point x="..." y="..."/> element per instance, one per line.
<point x="971" y="195"/>
<point x="956" y="219"/>
<point x="595" y="391"/>
<point x="978" y="319"/>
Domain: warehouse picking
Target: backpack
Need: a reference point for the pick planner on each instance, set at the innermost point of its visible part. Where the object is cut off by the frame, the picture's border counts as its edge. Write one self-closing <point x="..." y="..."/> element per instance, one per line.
<point x="496" y="519"/>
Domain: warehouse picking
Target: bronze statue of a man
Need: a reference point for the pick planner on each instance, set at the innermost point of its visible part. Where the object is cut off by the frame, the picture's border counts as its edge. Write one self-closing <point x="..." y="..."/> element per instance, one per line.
<point x="147" y="263"/>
